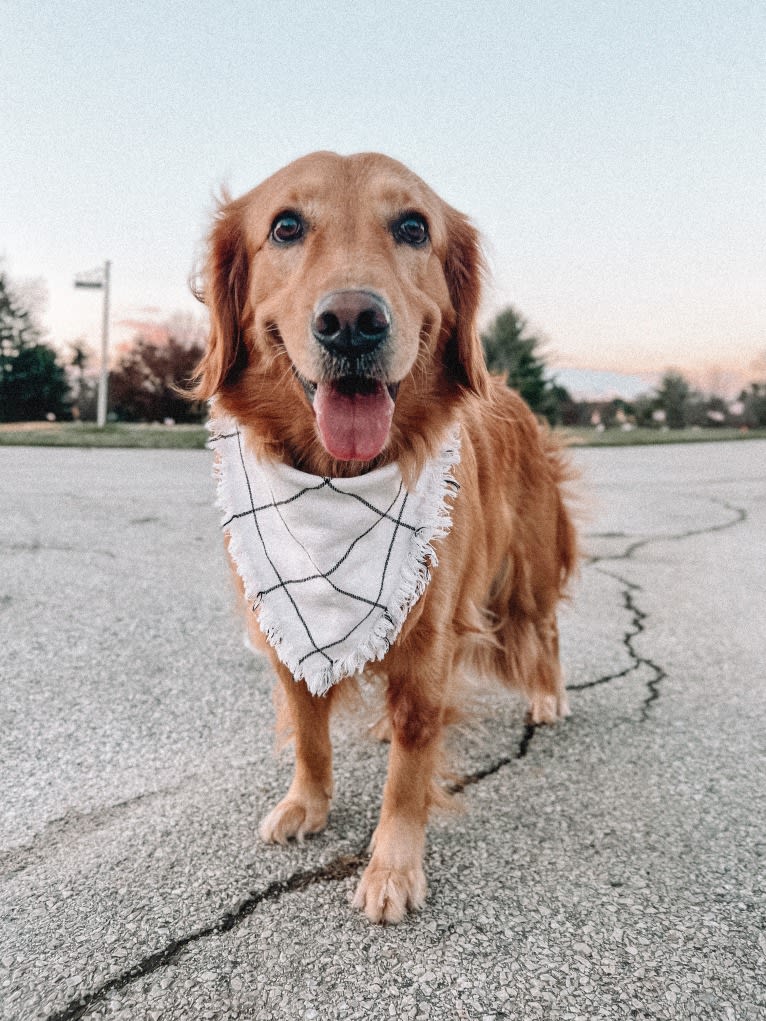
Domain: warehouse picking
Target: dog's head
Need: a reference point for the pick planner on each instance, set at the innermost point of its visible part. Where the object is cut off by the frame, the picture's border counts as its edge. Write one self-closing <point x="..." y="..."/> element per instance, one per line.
<point x="343" y="295"/>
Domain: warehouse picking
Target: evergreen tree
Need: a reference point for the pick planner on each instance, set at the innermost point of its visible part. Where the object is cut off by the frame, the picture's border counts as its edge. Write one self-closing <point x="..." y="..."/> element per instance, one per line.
<point x="32" y="382"/>
<point x="673" y="396"/>
<point x="754" y="400"/>
<point x="514" y="353"/>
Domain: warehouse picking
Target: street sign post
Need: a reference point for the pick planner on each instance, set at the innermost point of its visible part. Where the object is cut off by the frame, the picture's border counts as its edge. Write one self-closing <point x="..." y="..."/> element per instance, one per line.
<point x="98" y="281"/>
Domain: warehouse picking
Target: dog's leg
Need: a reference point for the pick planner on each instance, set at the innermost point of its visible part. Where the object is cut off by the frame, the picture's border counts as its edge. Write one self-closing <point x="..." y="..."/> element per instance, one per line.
<point x="548" y="702"/>
<point x="394" y="880"/>
<point x="305" y="807"/>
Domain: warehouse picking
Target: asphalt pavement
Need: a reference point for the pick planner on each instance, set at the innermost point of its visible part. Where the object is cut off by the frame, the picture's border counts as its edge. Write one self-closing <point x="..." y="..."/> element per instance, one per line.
<point x="613" y="867"/>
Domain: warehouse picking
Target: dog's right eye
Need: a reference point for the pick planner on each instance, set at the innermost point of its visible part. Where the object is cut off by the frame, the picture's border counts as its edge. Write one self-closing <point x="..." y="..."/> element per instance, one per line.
<point x="286" y="228"/>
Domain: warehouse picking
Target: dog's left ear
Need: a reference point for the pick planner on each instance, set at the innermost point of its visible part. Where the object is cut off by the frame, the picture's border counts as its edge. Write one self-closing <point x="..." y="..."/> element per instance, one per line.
<point x="463" y="269"/>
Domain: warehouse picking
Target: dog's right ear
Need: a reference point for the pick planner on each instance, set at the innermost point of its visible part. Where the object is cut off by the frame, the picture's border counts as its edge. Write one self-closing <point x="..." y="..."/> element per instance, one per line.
<point x="224" y="291"/>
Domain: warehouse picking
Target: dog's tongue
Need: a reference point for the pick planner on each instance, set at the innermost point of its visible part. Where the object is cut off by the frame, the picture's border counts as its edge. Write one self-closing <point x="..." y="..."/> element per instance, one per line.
<point x="353" y="420"/>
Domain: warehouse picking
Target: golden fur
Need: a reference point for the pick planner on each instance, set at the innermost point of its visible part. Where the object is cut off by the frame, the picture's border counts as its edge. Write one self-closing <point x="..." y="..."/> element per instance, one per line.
<point x="502" y="569"/>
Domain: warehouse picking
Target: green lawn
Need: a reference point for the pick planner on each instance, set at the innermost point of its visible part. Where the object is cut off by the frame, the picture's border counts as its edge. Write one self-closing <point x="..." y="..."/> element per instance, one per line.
<point x="193" y="437"/>
<point x="635" y="437"/>
<point x="86" y="434"/>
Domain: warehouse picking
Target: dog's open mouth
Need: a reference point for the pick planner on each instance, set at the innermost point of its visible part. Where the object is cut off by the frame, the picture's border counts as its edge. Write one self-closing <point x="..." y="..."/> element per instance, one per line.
<point x="353" y="415"/>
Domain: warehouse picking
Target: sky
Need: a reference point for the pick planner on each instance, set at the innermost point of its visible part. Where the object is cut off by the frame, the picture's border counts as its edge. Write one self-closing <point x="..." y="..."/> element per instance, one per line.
<point x="612" y="154"/>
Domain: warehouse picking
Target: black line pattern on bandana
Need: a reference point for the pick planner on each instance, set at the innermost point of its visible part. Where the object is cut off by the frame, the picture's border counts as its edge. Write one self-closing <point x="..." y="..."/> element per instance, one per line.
<point x="366" y="503"/>
<point x="266" y="506"/>
<point x="359" y="623"/>
<point x="340" y="562"/>
<point x="266" y="552"/>
<point x="283" y="583"/>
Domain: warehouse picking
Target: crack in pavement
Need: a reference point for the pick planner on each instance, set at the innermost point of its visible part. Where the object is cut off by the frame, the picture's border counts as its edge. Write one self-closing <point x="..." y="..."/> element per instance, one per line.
<point x="342" y="867"/>
<point x="473" y="778"/>
<point x="638" y="616"/>
<point x="72" y="826"/>
<point x="345" y="866"/>
<point x="658" y="673"/>
<point x="740" y="516"/>
<point x="37" y="546"/>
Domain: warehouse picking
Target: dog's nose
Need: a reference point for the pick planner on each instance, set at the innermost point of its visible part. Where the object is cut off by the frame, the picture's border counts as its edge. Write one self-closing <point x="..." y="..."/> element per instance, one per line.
<point x="351" y="322"/>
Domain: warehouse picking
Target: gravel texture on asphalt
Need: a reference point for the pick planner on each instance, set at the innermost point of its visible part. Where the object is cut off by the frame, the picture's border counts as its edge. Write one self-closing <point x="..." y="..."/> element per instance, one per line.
<point x="612" y="867"/>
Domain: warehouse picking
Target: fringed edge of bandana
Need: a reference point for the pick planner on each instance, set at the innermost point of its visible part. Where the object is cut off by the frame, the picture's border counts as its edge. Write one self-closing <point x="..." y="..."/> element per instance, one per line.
<point x="437" y="485"/>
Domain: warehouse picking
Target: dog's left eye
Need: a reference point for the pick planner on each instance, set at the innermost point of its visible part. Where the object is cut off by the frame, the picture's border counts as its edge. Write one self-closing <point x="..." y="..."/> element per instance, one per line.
<point x="411" y="229"/>
<point x="287" y="227"/>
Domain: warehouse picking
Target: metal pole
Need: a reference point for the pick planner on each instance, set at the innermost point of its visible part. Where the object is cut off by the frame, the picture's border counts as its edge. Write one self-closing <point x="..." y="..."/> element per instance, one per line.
<point x="103" y="380"/>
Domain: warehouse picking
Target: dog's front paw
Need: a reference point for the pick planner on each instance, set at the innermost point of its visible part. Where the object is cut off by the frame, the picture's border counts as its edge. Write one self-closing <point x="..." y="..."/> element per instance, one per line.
<point x="294" y="817"/>
<point x="387" y="894"/>
<point x="545" y="708"/>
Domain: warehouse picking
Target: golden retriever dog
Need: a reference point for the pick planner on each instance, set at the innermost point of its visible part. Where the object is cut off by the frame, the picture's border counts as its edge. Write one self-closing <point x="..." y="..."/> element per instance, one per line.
<point x="343" y="296"/>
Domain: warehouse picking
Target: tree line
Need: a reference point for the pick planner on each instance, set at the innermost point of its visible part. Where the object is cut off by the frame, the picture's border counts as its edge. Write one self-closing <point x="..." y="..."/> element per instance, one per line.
<point x="39" y="382"/>
<point x="36" y="382"/>
<point x="515" y="352"/>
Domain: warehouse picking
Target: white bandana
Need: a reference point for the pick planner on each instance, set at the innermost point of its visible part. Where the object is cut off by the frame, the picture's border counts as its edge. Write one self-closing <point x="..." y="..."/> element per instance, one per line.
<point x="331" y="566"/>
